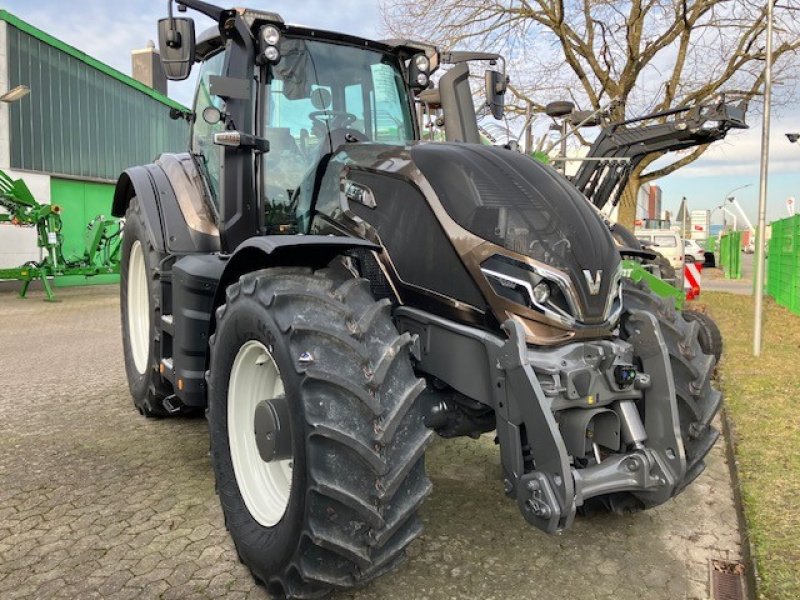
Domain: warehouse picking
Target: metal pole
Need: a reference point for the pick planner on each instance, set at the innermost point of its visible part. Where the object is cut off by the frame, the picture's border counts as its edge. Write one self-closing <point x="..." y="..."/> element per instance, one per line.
<point x="683" y="243"/>
<point x="529" y="128"/>
<point x="762" y="196"/>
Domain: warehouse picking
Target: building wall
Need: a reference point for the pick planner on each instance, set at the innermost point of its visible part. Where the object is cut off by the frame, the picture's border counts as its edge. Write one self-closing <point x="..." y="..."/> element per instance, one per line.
<point x="77" y="120"/>
<point x="642" y="202"/>
<point x="654" y="202"/>
<point x="69" y="139"/>
<point x="4" y="135"/>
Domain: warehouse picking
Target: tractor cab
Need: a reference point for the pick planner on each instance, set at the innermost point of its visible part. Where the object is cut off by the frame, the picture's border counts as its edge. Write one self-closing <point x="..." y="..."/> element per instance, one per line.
<point x="312" y="92"/>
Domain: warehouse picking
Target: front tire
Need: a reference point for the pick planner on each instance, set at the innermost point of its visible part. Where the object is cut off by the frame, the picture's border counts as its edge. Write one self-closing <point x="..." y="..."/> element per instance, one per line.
<point x="692" y="371"/>
<point x="347" y="508"/>
<point x="710" y="336"/>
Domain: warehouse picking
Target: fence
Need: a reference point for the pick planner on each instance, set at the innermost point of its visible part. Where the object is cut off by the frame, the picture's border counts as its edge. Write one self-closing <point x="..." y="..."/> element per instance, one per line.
<point x="730" y="254"/>
<point x="783" y="263"/>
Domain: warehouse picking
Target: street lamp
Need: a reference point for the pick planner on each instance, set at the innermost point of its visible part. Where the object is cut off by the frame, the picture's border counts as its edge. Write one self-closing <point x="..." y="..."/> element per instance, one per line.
<point x="15" y="94"/>
<point x="727" y="197"/>
<point x="793" y="137"/>
<point x="758" y="320"/>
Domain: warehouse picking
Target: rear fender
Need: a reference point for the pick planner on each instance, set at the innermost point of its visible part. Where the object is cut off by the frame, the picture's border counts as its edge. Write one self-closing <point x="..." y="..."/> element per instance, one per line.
<point x="174" y="204"/>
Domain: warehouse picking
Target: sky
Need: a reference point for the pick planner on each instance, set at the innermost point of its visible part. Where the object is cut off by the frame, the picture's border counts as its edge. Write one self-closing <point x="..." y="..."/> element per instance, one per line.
<point x="109" y="30"/>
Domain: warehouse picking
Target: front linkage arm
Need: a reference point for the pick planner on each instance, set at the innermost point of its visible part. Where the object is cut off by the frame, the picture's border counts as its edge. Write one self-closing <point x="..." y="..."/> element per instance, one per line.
<point x="541" y="428"/>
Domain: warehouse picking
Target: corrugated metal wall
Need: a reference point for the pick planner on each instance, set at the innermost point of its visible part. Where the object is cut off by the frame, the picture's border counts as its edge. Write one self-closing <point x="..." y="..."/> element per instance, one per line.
<point x="78" y="121"/>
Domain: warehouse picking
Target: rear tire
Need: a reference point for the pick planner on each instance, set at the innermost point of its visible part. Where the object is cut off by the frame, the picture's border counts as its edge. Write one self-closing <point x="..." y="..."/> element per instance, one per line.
<point x="140" y="308"/>
<point x="357" y="435"/>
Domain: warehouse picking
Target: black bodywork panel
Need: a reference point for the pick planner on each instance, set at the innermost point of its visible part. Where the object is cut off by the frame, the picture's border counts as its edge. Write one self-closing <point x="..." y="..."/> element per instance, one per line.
<point x="195" y="278"/>
<point x="509" y="200"/>
<point x="414" y="239"/>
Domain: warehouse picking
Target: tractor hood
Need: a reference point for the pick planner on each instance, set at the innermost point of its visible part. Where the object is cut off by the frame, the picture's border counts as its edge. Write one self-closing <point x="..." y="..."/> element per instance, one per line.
<point x="510" y="200"/>
<point x="480" y="225"/>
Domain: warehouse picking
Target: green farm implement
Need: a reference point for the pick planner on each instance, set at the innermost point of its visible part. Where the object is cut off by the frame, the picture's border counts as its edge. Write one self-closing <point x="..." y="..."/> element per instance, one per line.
<point x="102" y="240"/>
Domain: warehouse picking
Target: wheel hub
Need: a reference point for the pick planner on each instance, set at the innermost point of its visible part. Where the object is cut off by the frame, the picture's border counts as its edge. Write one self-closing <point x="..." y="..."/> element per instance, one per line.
<point x="271" y="428"/>
<point x="259" y="433"/>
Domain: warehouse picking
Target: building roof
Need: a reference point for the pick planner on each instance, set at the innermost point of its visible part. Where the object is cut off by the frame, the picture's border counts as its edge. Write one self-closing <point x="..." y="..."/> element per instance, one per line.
<point x="48" y="39"/>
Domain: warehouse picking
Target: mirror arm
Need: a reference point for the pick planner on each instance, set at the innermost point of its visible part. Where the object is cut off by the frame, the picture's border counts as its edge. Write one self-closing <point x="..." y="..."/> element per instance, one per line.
<point x="174" y="38"/>
<point x="210" y="10"/>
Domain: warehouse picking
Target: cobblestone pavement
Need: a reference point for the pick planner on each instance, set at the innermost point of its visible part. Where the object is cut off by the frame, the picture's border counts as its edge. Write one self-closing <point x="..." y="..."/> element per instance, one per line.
<point x="98" y="502"/>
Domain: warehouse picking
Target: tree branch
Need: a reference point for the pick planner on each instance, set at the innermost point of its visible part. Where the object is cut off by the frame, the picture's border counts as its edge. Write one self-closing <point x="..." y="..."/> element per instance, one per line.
<point x="685" y="160"/>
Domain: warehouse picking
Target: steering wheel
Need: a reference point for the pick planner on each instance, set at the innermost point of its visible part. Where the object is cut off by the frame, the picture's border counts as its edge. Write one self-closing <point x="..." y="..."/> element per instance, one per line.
<point x="336" y="118"/>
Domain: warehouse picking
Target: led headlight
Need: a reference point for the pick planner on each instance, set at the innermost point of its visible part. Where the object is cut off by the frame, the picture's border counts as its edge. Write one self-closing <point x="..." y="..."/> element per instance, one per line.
<point x="422" y="79"/>
<point x="541" y="292"/>
<point x="521" y="284"/>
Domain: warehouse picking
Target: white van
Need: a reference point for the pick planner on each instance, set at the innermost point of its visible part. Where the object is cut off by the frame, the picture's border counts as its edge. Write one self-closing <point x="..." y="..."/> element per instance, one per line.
<point x="663" y="241"/>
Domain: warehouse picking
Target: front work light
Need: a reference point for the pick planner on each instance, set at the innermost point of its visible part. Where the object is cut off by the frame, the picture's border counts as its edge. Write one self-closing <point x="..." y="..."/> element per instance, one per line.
<point x="271" y="54"/>
<point x="422" y="63"/>
<point x="270" y="35"/>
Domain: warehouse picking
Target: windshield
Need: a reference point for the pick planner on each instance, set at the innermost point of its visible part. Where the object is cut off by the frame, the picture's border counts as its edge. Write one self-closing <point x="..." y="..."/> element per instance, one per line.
<point x="321" y="95"/>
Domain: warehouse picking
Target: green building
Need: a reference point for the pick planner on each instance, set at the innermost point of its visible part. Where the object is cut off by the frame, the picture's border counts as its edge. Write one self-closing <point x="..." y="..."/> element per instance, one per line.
<point x="78" y="127"/>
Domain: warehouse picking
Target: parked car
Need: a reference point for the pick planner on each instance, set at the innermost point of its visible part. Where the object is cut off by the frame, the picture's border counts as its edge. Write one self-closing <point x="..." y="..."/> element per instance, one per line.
<point x="694" y="252"/>
<point x="665" y="242"/>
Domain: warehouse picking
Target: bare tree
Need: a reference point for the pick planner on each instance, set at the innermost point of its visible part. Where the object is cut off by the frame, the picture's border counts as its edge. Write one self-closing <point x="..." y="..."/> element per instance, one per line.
<point x="646" y="54"/>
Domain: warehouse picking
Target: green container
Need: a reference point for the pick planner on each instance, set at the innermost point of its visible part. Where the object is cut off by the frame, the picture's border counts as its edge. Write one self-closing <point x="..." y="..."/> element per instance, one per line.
<point x="730" y="255"/>
<point x="783" y="263"/>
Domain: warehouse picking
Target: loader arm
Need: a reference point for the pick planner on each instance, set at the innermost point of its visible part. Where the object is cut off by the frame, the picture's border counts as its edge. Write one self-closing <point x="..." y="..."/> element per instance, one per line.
<point x="624" y="145"/>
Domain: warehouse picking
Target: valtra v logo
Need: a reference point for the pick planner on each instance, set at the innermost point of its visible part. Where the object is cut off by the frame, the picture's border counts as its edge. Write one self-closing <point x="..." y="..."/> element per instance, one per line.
<point x="594" y="285"/>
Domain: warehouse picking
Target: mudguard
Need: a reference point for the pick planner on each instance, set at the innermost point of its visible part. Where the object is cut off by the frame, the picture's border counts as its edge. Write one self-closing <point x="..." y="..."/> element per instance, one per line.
<point x="199" y="282"/>
<point x="266" y="251"/>
<point x="174" y="204"/>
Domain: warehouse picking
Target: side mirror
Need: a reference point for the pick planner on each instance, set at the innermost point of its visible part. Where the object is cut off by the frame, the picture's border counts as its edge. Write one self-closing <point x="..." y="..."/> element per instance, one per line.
<point x="176" y="46"/>
<point x="496" y="84"/>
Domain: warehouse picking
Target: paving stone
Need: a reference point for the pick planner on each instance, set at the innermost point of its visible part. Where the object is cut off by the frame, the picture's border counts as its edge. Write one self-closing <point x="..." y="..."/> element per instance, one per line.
<point x="109" y="505"/>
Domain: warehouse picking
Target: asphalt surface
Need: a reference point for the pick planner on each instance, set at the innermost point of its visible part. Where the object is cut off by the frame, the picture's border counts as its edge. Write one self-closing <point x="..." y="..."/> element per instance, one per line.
<point x="713" y="280"/>
<point x="98" y="502"/>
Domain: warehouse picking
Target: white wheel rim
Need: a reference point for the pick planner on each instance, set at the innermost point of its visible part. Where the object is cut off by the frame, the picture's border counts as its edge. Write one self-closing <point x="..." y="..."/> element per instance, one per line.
<point x="265" y="486"/>
<point x="138" y="308"/>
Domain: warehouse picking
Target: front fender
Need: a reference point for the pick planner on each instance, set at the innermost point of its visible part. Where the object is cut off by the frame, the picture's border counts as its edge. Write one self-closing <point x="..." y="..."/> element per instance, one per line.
<point x="263" y="252"/>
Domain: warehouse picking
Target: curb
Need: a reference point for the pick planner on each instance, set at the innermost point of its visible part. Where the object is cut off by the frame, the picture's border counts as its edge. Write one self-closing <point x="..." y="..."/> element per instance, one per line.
<point x="748" y="553"/>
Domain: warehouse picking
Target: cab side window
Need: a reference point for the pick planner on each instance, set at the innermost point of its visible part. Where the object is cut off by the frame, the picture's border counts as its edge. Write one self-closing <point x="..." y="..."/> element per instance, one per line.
<point x="209" y="156"/>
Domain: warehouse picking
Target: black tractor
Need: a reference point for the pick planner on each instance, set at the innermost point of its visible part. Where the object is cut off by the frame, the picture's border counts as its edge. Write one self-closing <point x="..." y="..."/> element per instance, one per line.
<point x="333" y="291"/>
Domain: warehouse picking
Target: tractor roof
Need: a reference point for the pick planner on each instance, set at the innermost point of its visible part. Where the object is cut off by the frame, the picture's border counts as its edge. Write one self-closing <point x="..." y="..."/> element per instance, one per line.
<point x="210" y="40"/>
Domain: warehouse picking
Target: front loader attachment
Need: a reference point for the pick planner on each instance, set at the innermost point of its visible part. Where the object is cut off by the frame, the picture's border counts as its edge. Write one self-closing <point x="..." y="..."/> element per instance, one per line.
<point x="624" y="145"/>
